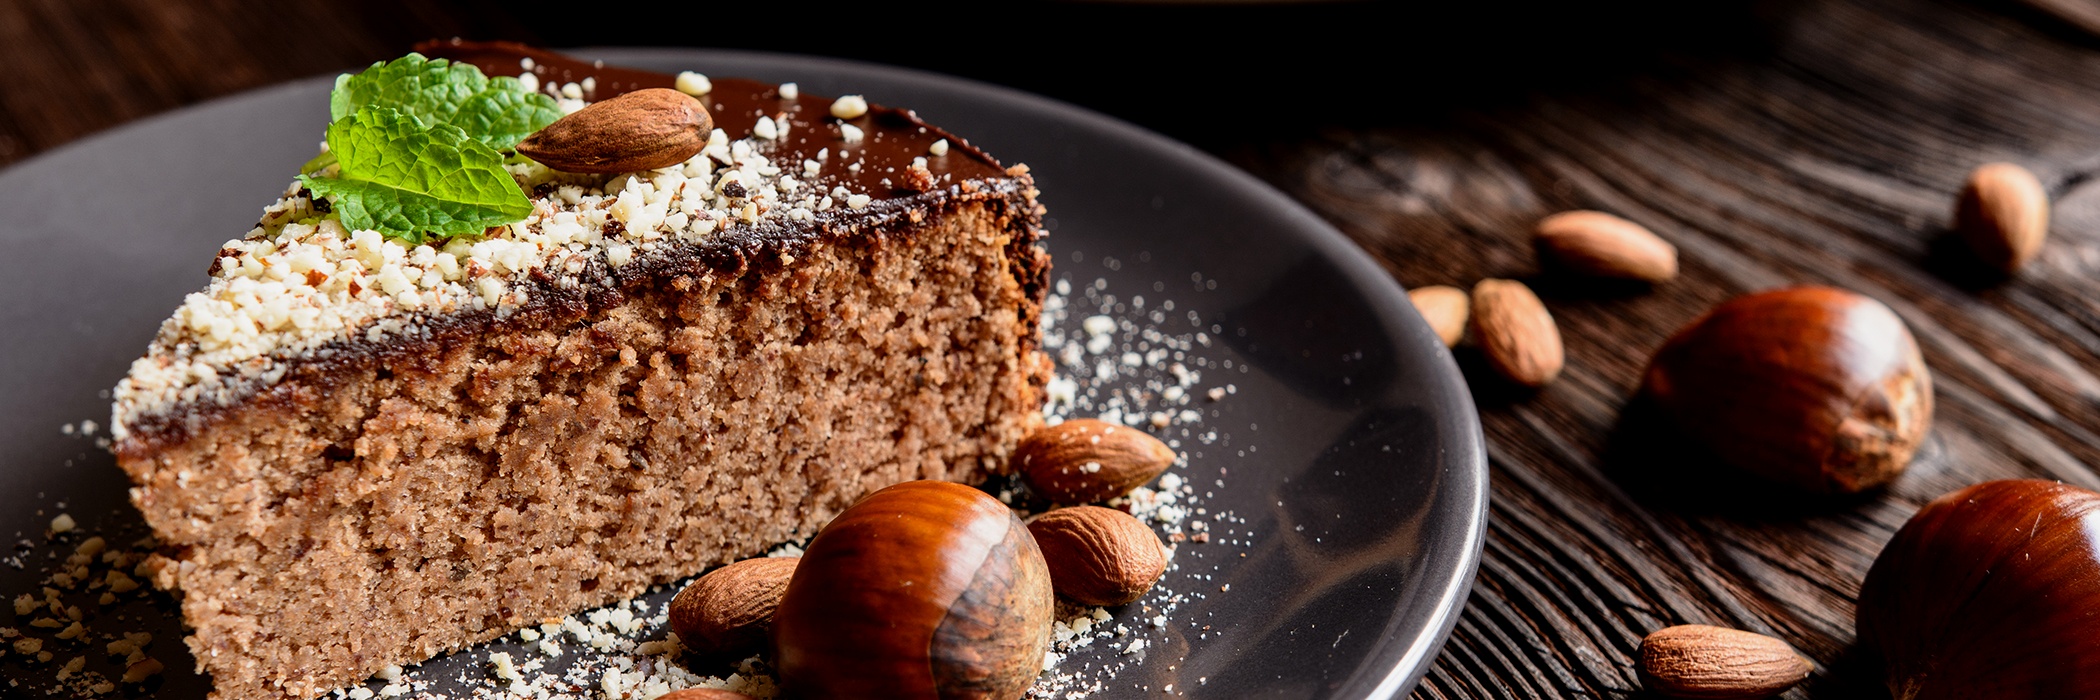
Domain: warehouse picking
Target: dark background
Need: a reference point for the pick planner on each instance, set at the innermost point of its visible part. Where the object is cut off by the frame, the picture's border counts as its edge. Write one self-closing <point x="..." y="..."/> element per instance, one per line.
<point x="1214" y="75"/>
<point x="1807" y="141"/>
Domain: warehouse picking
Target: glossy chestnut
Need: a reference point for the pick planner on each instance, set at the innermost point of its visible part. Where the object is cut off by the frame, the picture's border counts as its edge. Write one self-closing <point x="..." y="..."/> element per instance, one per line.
<point x="924" y="589"/>
<point x="1817" y="388"/>
<point x="1990" y="593"/>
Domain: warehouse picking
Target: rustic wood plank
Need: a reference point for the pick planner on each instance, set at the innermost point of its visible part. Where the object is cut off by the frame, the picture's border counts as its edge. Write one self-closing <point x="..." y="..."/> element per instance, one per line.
<point x="1833" y="159"/>
<point x="74" y="68"/>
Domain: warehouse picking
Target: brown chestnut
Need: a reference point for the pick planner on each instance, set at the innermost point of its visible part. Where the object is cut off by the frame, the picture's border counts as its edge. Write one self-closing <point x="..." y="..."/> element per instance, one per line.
<point x="924" y="589"/>
<point x="1990" y="592"/>
<point x="1817" y="388"/>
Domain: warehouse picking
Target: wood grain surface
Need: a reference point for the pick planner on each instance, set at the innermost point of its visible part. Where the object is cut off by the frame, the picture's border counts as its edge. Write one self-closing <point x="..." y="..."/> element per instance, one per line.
<point x="1831" y="157"/>
<point x="1773" y="143"/>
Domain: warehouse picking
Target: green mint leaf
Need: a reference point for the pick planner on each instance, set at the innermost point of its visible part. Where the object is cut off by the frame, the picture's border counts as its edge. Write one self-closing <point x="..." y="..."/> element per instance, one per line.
<point x="408" y="179"/>
<point x="325" y="159"/>
<point x="496" y="111"/>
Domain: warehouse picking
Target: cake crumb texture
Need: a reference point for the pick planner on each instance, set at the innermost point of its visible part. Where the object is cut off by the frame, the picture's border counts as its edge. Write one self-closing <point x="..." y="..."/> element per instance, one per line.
<point x="405" y="503"/>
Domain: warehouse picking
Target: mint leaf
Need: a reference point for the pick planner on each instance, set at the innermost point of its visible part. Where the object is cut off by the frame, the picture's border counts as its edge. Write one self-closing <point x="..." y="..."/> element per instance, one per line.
<point x="325" y="159"/>
<point x="407" y="179"/>
<point x="495" y="111"/>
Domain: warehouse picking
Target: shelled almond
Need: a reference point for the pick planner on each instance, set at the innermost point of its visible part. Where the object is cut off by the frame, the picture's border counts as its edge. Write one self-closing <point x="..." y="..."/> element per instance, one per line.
<point x="1087" y="461"/>
<point x="1098" y="556"/>
<point x="1602" y="245"/>
<point x="1701" y="661"/>
<point x="640" y="130"/>
<point x="730" y="610"/>
<point x="1516" y="333"/>
<point x="1445" y="308"/>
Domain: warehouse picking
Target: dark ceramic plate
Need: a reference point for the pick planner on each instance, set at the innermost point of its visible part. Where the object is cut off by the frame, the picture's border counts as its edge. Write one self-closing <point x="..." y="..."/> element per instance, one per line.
<point x="1350" y="446"/>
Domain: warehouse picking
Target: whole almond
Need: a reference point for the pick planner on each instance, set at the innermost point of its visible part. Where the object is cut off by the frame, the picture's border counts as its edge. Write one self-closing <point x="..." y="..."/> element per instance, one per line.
<point x="1445" y="308"/>
<point x="640" y="130"/>
<point x="1698" y="661"/>
<point x="1602" y="245"/>
<point x="2003" y="214"/>
<point x="1515" y="332"/>
<point x="1085" y="460"/>
<point x="730" y="610"/>
<point x="1098" y="556"/>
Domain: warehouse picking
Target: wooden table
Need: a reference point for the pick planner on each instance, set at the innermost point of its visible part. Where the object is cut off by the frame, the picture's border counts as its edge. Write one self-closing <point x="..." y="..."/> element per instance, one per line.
<point x="1773" y="143"/>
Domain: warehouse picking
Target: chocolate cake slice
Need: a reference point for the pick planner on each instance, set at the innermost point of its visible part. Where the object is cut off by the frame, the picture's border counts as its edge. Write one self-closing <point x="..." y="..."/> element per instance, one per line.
<point x="358" y="451"/>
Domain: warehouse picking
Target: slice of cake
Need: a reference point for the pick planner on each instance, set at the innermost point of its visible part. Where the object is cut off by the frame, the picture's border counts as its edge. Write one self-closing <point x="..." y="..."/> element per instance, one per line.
<point x="360" y="449"/>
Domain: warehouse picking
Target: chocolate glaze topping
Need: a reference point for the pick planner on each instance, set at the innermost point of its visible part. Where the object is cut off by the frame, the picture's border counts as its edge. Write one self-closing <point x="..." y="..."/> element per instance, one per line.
<point x="893" y="137"/>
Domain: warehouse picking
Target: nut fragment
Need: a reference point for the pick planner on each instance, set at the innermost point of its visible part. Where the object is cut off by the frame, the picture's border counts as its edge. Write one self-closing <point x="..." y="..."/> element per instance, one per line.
<point x="2003" y="213"/>
<point x="1599" y="244"/>
<point x="139" y="671"/>
<point x="1445" y="308"/>
<point x="1699" y="661"/>
<point x="1098" y="556"/>
<point x="1516" y="333"/>
<point x="730" y="610"/>
<point x="849" y="107"/>
<point x="1086" y="460"/>
<point x="640" y="130"/>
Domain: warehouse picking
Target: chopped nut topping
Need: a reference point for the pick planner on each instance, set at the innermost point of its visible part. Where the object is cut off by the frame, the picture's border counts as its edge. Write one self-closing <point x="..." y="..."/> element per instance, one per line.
<point x="694" y="84"/>
<point x="849" y="107"/>
<point x="300" y="281"/>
